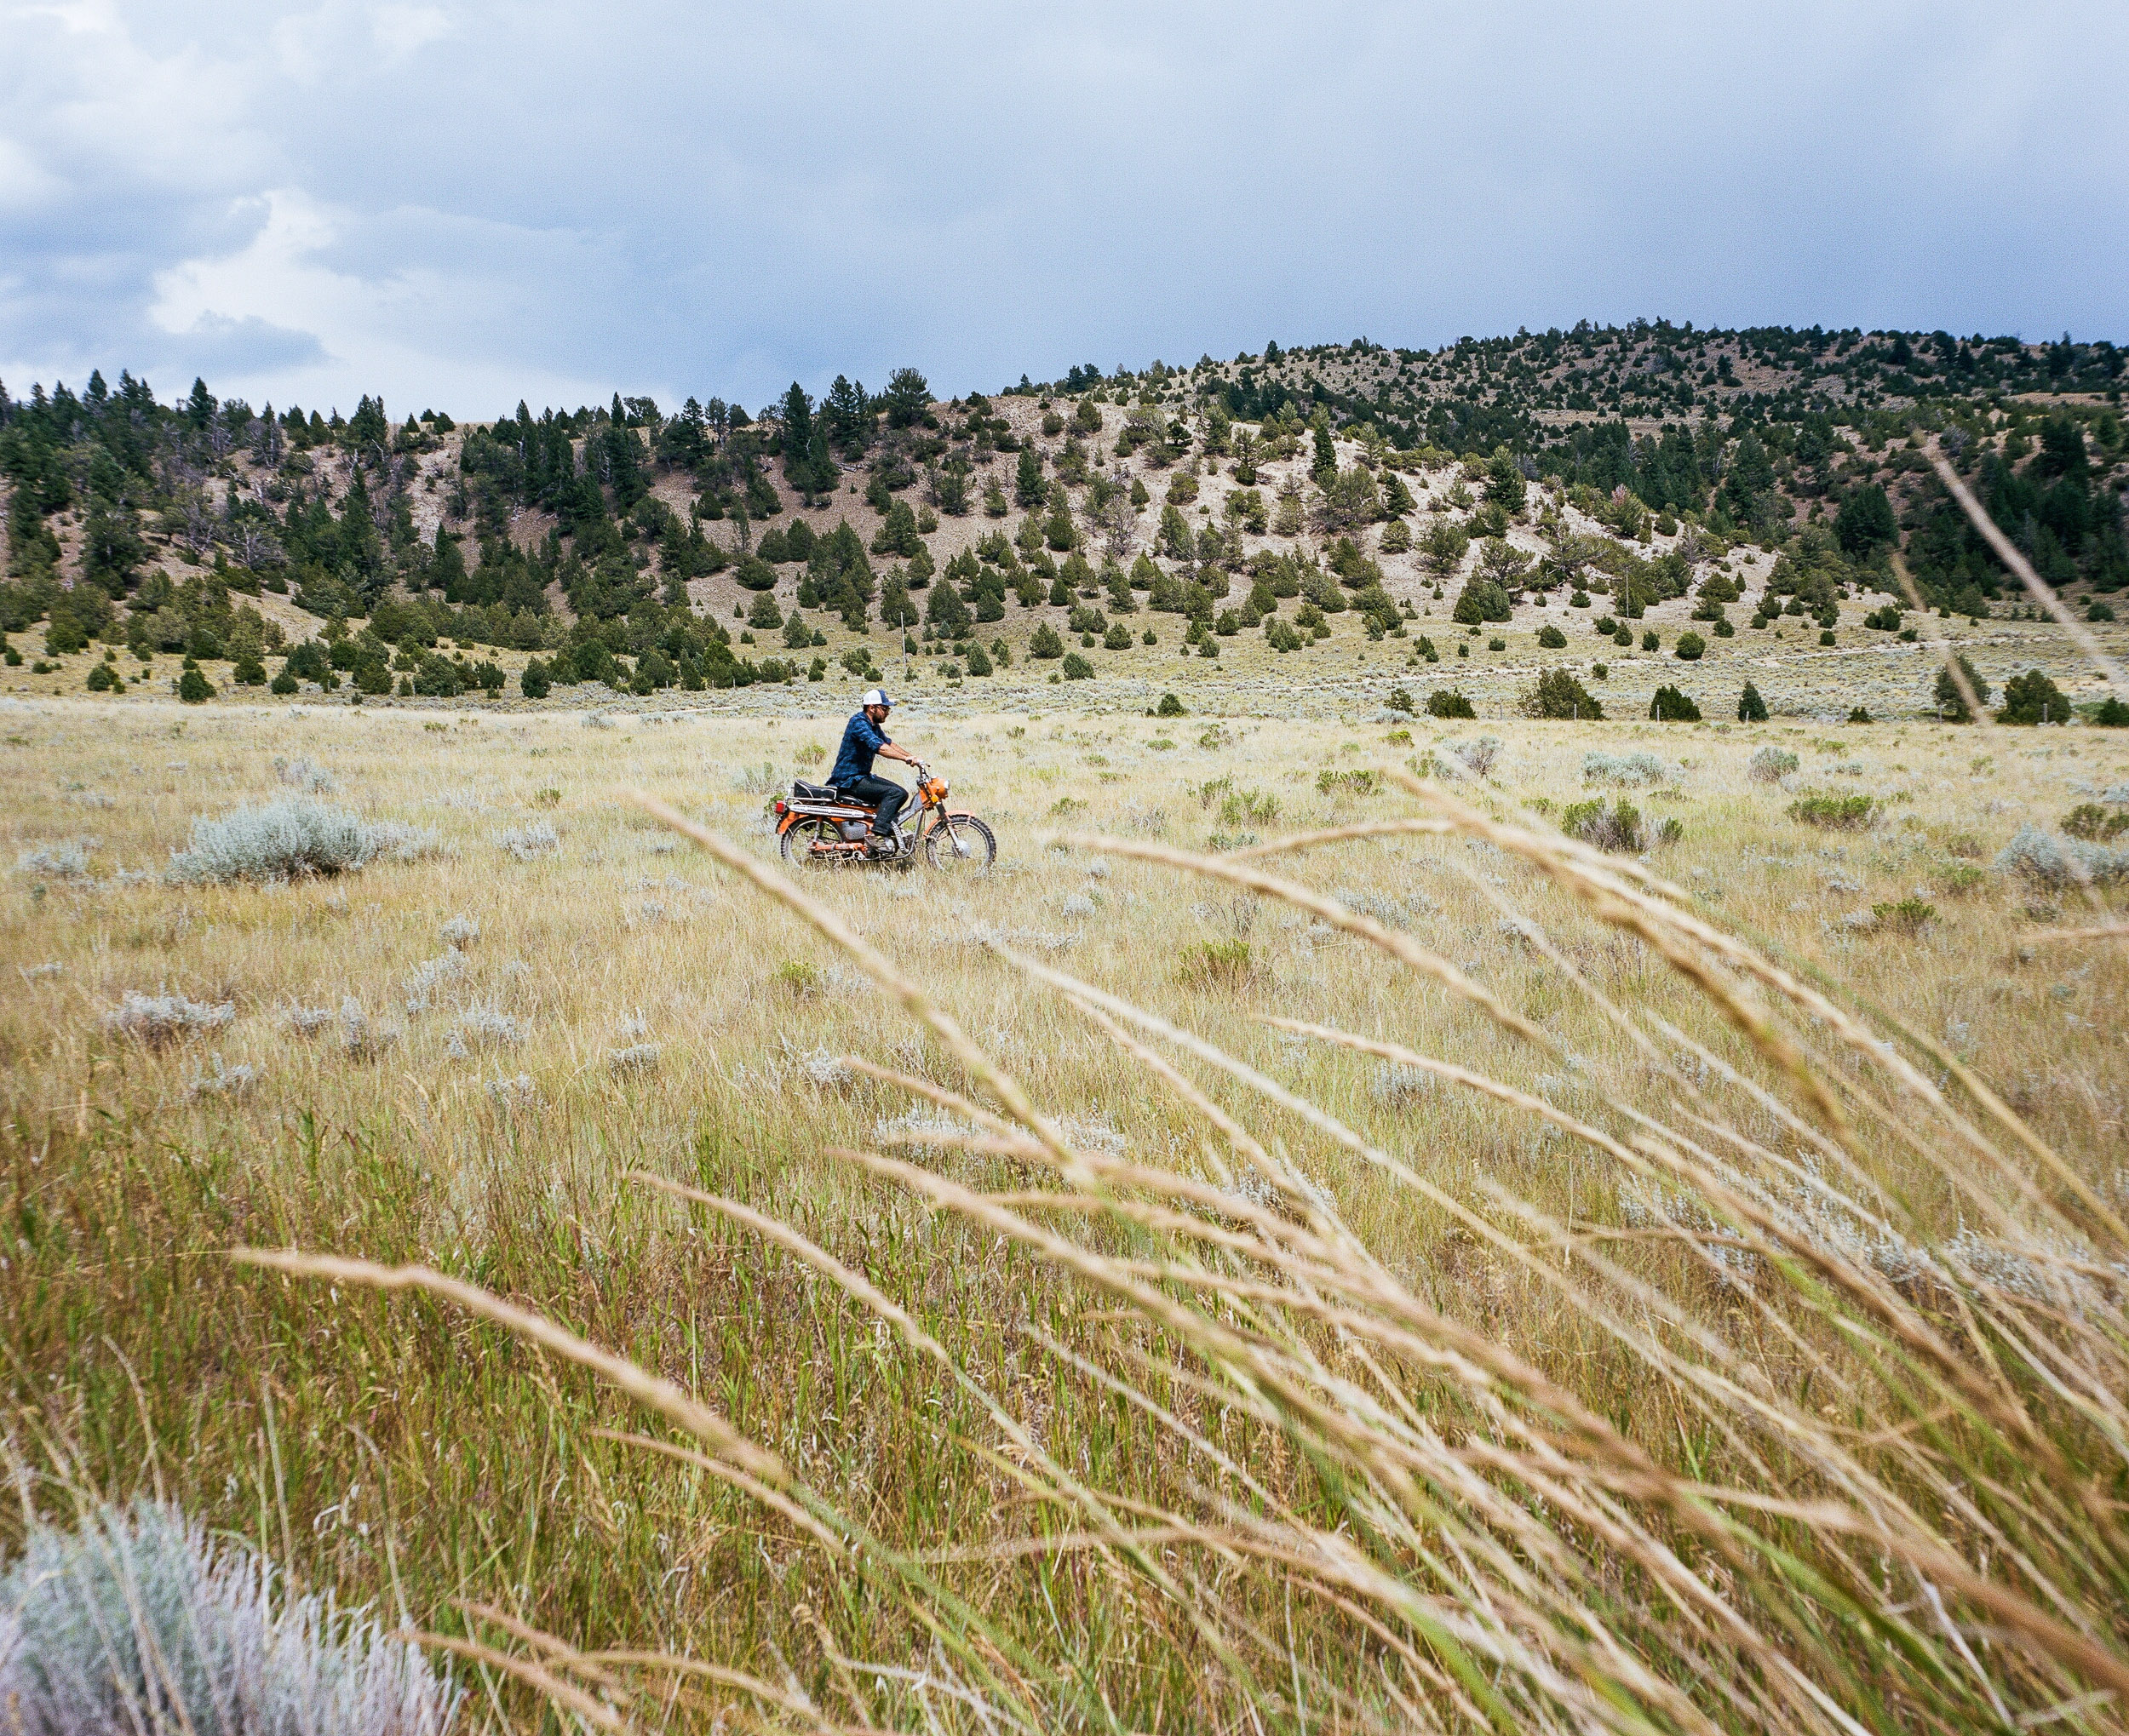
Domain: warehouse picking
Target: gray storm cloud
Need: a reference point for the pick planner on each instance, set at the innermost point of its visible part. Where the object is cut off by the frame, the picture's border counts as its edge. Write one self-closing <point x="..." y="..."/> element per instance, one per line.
<point x="469" y="203"/>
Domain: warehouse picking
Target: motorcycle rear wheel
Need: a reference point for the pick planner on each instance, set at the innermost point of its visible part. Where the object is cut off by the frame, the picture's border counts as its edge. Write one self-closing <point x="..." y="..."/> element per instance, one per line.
<point x="814" y="846"/>
<point x="961" y="845"/>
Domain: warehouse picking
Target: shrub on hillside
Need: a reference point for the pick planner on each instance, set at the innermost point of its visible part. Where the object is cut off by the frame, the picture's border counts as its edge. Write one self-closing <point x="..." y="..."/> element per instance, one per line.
<point x="1045" y="643"/>
<point x="1834" y="813"/>
<point x="289" y="839"/>
<point x="1908" y="916"/>
<point x="1671" y="706"/>
<point x="1616" y="826"/>
<point x="1448" y="702"/>
<point x="1951" y="703"/>
<point x="2032" y="698"/>
<point x="137" y="1621"/>
<point x="1751" y="708"/>
<point x="2094" y="824"/>
<point x="1556" y="694"/>
<point x="1690" y="646"/>
<point x="1217" y="964"/>
<point x="1551" y="638"/>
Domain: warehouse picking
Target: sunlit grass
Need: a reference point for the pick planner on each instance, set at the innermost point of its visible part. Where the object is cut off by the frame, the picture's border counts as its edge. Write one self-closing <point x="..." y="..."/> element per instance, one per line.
<point x="540" y="1023"/>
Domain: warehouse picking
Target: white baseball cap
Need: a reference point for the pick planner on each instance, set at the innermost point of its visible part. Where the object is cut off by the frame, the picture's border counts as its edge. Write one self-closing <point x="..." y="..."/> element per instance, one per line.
<point x="875" y="696"/>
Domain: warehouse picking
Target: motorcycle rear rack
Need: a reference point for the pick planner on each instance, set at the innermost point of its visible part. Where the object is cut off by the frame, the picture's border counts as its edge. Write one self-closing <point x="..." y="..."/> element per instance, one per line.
<point x="828" y="810"/>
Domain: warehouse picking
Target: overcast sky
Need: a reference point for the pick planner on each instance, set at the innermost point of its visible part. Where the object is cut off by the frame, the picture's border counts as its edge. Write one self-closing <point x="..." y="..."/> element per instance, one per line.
<point x="461" y="204"/>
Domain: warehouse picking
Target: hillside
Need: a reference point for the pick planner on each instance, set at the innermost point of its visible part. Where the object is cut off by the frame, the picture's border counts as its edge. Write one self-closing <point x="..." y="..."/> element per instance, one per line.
<point x="1464" y="517"/>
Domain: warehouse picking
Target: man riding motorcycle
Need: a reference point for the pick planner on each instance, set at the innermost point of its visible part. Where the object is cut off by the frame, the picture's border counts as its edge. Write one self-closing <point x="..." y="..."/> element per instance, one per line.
<point x="862" y="740"/>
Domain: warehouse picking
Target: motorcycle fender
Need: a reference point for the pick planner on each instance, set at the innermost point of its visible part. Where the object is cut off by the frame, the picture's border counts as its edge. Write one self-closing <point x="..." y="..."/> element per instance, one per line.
<point x="961" y="813"/>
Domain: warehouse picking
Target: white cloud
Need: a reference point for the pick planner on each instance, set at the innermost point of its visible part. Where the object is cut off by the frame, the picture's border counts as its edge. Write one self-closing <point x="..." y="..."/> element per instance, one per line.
<point x="24" y="183"/>
<point x="372" y="334"/>
<point x="497" y="197"/>
<point x="402" y="31"/>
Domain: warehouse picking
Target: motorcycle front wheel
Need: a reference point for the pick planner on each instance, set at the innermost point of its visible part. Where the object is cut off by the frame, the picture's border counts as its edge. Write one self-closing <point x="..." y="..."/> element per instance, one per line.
<point x="961" y="845"/>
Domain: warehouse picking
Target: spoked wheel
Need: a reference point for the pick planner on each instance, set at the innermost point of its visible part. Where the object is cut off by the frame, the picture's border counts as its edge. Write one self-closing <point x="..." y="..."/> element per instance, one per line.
<point x="961" y="845"/>
<point x="815" y="846"/>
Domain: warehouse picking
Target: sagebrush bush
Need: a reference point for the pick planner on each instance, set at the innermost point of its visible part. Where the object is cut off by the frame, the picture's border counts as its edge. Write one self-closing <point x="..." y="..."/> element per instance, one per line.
<point x="156" y="1019"/>
<point x="361" y="1037"/>
<point x="426" y="977"/>
<point x="1636" y="768"/>
<point x="531" y="841"/>
<point x="1771" y="764"/>
<point x="290" y="839"/>
<point x="222" y="1080"/>
<point x="1478" y="757"/>
<point x="137" y="1623"/>
<point x="483" y="1023"/>
<point x="2057" y="862"/>
<point x="65" y="861"/>
<point x="300" y="774"/>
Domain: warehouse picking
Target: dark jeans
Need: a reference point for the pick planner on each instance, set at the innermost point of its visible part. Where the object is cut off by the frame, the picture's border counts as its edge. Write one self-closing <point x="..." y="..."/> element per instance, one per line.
<point x="883" y="792"/>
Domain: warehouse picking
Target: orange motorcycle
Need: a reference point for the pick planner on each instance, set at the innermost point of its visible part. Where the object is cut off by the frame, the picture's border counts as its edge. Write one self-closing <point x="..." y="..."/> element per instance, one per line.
<point x="820" y="828"/>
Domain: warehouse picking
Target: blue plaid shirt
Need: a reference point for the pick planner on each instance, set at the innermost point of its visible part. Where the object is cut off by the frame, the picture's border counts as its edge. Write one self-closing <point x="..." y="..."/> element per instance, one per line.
<point x="862" y="739"/>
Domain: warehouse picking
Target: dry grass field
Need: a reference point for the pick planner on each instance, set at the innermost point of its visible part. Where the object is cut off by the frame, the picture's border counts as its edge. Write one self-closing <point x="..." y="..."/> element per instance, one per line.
<point x="1672" y="1348"/>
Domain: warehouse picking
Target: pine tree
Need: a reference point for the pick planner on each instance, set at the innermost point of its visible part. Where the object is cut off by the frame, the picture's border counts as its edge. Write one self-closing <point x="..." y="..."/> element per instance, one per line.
<point x="909" y="397"/>
<point x="1751" y="709"/>
<point x="847" y="413"/>
<point x="369" y="428"/>
<point x="1750" y="474"/>
<point x="1027" y="481"/>
<point x="1505" y="486"/>
<point x="799" y="442"/>
<point x="945" y="611"/>
<point x="1865" y="522"/>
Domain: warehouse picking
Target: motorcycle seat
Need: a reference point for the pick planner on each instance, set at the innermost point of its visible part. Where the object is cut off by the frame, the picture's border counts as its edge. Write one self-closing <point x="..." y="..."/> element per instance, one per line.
<point x="817" y="792"/>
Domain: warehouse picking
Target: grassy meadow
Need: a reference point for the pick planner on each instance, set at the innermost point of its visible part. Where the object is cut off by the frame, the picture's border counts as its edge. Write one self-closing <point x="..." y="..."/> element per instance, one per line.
<point x="1671" y="1353"/>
